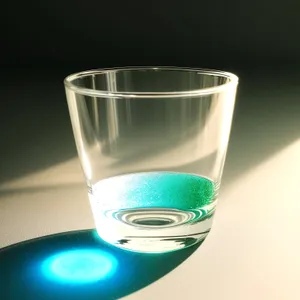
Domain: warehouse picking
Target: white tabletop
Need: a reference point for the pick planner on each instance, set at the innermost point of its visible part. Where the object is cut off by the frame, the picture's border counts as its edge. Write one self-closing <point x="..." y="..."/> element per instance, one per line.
<point x="253" y="249"/>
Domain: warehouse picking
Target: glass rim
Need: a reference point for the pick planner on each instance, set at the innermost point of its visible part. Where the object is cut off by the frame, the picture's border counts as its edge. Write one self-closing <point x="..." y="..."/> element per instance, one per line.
<point x="233" y="81"/>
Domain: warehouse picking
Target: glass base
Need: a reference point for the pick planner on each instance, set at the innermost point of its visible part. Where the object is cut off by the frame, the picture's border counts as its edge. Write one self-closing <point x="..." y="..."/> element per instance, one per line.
<point x="154" y="230"/>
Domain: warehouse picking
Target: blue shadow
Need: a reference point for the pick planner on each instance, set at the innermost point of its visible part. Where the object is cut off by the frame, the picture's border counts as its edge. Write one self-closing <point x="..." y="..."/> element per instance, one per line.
<point x="78" y="265"/>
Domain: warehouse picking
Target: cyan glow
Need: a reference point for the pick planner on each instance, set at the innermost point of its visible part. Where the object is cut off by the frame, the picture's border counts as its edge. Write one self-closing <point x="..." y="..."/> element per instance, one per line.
<point x="79" y="266"/>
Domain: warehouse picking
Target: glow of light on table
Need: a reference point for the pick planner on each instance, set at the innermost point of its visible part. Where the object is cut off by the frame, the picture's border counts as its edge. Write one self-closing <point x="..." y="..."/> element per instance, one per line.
<point x="80" y="266"/>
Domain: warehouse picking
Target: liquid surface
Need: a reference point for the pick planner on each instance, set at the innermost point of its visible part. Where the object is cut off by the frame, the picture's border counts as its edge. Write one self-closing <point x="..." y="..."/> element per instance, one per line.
<point x="161" y="189"/>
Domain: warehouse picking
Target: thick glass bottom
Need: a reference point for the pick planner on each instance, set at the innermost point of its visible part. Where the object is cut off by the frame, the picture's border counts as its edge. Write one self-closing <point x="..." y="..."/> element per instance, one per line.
<point x="154" y="230"/>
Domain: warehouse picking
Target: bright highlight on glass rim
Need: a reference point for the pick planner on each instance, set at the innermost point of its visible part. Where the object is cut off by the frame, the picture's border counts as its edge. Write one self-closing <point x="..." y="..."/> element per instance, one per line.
<point x="79" y="266"/>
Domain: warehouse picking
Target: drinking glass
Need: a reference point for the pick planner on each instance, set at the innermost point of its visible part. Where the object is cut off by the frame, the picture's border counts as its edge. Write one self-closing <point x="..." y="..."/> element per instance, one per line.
<point x="152" y="143"/>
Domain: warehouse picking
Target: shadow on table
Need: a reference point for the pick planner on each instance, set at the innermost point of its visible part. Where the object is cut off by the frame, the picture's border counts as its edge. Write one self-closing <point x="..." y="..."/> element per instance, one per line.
<point x="78" y="265"/>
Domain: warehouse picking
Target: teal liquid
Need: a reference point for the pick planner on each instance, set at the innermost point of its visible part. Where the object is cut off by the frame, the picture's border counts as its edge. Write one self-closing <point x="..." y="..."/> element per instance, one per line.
<point x="155" y="190"/>
<point x="153" y="212"/>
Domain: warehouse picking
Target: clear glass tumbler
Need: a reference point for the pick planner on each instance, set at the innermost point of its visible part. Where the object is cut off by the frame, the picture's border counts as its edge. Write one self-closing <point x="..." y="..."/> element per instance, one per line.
<point x="152" y="143"/>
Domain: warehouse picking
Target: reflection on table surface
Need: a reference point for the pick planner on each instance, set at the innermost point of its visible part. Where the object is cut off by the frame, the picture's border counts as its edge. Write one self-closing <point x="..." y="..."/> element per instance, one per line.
<point x="78" y="265"/>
